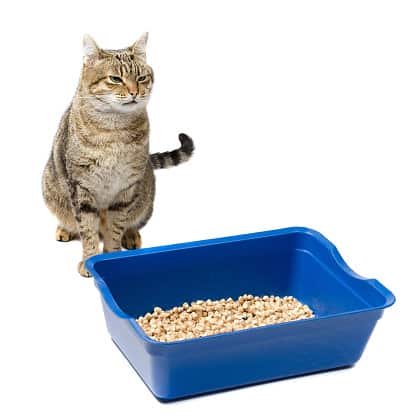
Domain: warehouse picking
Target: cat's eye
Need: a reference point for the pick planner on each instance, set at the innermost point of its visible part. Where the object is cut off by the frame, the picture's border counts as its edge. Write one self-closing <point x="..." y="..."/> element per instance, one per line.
<point x="142" y="78"/>
<point x="115" y="79"/>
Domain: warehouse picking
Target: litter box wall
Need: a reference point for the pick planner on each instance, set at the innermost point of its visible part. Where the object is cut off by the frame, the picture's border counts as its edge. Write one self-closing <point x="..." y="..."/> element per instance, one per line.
<point x="209" y="364"/>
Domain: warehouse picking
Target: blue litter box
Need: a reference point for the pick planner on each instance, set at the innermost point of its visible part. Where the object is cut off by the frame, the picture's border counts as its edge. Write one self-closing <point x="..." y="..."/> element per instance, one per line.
<point x="295" y="261"/>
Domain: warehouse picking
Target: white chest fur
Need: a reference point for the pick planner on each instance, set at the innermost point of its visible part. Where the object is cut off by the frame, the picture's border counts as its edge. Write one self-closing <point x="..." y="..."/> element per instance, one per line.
<point x="112" y="173"/>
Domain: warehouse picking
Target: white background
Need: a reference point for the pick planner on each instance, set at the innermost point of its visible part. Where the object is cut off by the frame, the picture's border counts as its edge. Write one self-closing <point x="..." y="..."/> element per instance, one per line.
<point x="300" y="111"/>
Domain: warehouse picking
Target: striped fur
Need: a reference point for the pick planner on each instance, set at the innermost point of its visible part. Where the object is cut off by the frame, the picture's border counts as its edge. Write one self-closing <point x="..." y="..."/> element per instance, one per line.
<point x="99" y="179"/>
<point x="175" y="157"/>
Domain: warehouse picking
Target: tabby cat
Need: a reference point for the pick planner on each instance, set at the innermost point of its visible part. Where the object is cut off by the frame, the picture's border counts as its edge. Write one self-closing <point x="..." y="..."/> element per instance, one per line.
<point x="99" y="179"/>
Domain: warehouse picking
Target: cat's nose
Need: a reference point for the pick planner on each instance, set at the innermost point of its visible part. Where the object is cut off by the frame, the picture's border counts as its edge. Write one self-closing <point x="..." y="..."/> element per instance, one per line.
<point x="132" y="88"/>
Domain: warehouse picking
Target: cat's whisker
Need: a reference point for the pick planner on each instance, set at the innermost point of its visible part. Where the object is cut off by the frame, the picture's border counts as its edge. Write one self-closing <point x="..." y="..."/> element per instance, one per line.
<point x="90" y="97"/>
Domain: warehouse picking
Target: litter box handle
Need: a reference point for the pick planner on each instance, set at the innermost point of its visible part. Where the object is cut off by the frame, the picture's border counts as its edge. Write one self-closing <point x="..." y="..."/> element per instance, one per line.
<point x="383" y="291"/>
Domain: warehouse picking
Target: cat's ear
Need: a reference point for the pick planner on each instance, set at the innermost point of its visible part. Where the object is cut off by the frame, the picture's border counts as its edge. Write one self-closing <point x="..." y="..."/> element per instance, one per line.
<point x="139" y="47"/>
<point x="91" y="51"/>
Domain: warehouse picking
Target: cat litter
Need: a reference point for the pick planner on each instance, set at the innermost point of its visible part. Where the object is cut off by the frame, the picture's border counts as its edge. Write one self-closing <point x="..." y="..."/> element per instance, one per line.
<point x="210" y="317"/>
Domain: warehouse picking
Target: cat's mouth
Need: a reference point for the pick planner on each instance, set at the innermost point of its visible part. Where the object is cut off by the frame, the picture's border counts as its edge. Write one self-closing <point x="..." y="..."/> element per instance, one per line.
<point x="130" y="103"/>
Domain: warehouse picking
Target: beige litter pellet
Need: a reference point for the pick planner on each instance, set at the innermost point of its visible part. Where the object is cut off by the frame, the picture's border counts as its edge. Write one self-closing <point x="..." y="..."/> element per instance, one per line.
<point x="210" y="317"/>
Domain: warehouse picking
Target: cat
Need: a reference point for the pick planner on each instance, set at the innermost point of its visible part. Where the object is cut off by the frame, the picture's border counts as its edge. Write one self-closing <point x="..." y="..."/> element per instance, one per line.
<point x="99" y="180"/>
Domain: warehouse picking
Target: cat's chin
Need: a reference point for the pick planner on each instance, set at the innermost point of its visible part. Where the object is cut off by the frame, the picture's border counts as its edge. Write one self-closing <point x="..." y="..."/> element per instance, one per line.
<point x="105" y="106"/>
<point x="128" y="107"/>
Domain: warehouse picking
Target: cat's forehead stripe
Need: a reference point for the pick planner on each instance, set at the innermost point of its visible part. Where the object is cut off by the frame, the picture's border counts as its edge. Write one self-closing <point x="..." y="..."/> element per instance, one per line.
<point x="124" y="62"/>
<point x="116" y="51"/>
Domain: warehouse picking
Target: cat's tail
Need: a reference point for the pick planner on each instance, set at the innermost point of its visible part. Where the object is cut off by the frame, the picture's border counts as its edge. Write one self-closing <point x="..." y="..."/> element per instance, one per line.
<point x="175" y="157"/>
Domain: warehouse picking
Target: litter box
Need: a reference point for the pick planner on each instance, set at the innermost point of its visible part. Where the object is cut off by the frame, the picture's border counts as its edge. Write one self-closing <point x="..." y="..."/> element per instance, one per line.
<point x="298" y="262"/>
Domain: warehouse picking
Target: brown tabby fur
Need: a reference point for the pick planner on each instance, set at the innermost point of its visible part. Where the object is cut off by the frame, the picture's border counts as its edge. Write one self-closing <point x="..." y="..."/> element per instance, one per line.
<point x="99" y="179"/>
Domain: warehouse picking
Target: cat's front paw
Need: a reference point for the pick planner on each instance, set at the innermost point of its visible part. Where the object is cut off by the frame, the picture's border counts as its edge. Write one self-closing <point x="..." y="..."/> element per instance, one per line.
<point x="82" y="269"/>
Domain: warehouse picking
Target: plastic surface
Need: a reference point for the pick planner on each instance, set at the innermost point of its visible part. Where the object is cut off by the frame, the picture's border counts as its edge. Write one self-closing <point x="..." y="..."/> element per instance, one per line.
<point x="293" y="261"/>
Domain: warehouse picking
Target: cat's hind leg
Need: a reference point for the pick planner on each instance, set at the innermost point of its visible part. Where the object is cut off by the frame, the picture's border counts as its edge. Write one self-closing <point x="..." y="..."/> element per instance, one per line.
<point x="131" y="239"/>
<point x="63" y="234"/>
<point x="67" y="226"/>
<point x="59" y="205"/>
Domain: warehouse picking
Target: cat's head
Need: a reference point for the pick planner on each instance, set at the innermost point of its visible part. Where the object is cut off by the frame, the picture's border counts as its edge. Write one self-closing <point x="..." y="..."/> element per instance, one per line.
<point x="116" y="80"/>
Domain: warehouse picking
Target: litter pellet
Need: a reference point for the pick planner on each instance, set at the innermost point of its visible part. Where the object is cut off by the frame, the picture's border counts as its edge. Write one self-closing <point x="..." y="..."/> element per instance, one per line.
<point x="202" y="318"/>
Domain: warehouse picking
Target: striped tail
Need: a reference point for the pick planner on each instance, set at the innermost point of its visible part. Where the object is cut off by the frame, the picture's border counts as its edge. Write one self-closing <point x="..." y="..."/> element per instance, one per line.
<point x="175" y="157"/>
